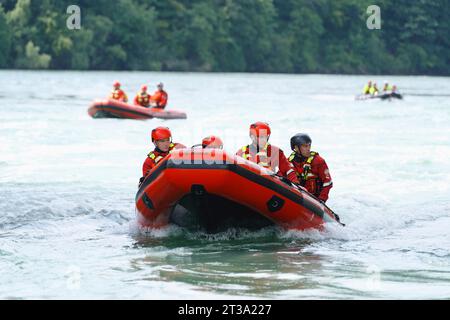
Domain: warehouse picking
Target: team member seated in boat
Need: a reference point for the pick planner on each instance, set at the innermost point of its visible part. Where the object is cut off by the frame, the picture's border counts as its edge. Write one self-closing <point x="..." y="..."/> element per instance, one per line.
<point x="162" y="139"/>
<point x="395" y="92"/>
<point x="117" y="93"/>
<point x="212" y="142"/>
<point x="387" y="88"/>
<point x="142" y="98"/>
<point x="265" y="154"/>
<point x="373" y="90"/>
<point x="366" y="89"/>
<point x="311" y="168"/>
<point x="160" y="97"/>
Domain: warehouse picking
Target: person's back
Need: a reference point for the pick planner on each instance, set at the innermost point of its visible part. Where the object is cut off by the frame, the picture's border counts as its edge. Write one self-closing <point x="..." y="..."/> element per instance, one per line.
<point x="117" y="93"/>
<point x="160" y="97"/>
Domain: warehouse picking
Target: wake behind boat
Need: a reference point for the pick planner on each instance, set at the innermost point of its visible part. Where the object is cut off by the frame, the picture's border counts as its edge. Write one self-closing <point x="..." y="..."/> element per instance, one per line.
<point x="385" y="96"/>
<point x="110" y="108"/>
<point x="212" y="190"/>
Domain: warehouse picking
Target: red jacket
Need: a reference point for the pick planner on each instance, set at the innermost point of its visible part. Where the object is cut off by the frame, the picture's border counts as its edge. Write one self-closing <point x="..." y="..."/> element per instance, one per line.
<point x="119" y="95"/>
<point x="160" y="97"/>
<point x="313" y="174"/>
<point x="155" y="156"/>
<point x="271" y="157"/>
<point x="142" y="99"/>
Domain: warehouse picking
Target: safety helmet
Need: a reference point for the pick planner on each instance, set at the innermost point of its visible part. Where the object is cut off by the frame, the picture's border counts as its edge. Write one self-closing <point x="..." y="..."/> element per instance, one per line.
<point x="259" y="128"/>
<point x="299" y="139"/>
<point x="212" y="142"/>
<point x="116" y="84"/>
<point x="160" y="133"/>
<point x="144" y="88"/>
<point x="160" y="85"/>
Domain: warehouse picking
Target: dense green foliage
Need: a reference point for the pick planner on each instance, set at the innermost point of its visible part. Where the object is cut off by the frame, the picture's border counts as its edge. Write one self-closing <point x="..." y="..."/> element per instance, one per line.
<point x="298" y="36"/>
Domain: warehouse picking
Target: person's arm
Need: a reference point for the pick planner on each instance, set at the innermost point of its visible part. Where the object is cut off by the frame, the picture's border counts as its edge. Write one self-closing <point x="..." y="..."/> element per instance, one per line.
<point x="147" y="166"/>
<point x="286" y="168"/>
<point x="325" y="177"/>
<point x="163" y="101"/>
<point x="136" y="101"/>
<point x="154" y="99"/>
<point x="125" y="98"/>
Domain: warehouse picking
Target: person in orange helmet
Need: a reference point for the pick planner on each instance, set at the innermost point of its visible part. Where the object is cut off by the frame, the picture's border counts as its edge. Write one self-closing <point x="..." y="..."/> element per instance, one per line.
<point x="162" y="139"/>
<point x="117" y="93"/>
<point x="212" y="142"/>
<point x="142" y="98"/>
<point x="265" y="154"/>
<point x="160" y="97"/>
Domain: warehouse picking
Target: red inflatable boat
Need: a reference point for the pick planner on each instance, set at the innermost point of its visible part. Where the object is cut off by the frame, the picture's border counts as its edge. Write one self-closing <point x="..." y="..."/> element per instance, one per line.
<point x="210" y="190"/>
<point x="115" y="109"/>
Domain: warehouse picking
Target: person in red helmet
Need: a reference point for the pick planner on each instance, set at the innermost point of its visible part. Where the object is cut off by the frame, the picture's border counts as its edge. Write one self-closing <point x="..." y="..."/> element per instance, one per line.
<point x="117" y="93"/>
<point x="212" y="142"/>
<point x="160" y="97"/>
<point x="310" y="167"/>
<point x="162" y="139"/>
<point x="265" y="154"/>
<point x="142" y="98"/>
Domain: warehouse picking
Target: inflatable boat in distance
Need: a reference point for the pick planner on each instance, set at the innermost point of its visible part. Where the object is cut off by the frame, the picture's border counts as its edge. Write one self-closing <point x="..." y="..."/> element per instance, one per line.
<point x="110" y="108"/>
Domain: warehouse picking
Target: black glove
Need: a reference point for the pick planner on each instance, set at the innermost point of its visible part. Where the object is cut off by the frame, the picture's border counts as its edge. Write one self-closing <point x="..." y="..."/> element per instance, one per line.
<point x="140" y="181"/>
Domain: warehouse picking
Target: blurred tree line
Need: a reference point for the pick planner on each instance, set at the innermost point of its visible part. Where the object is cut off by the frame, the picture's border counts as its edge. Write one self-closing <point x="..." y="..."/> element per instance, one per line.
<point x="293" y="36"/>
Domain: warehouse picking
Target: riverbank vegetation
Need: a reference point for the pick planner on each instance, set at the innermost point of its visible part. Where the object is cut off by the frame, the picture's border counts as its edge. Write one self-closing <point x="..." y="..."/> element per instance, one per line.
<point x="289" y="36"/>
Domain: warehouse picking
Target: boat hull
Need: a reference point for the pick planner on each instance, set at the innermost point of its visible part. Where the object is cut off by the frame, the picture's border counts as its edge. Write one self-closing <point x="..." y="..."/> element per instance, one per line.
<point x="115" y="109"/>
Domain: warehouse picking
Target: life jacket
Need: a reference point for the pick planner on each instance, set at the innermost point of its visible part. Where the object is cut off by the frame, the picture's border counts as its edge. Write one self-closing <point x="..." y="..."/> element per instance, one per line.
<point x="262" y="157"/>
<point x="318" y="183"/>
<point x="366" y="89"/>
<point x="117" y="94"/>
<point x="160" y="97"/>
<point x="157" y="157"/>
<point x="143" y="99"/>
<point x="306" y="172"/>
<point x="372" y="90"/>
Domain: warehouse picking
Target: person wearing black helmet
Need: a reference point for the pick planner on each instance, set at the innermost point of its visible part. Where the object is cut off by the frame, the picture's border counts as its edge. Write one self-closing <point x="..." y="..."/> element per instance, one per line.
<point x="311" y="168"/>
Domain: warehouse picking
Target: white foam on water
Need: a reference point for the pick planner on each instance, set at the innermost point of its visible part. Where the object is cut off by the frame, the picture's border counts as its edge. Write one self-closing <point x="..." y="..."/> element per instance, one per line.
<point x="67" y="187"/>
